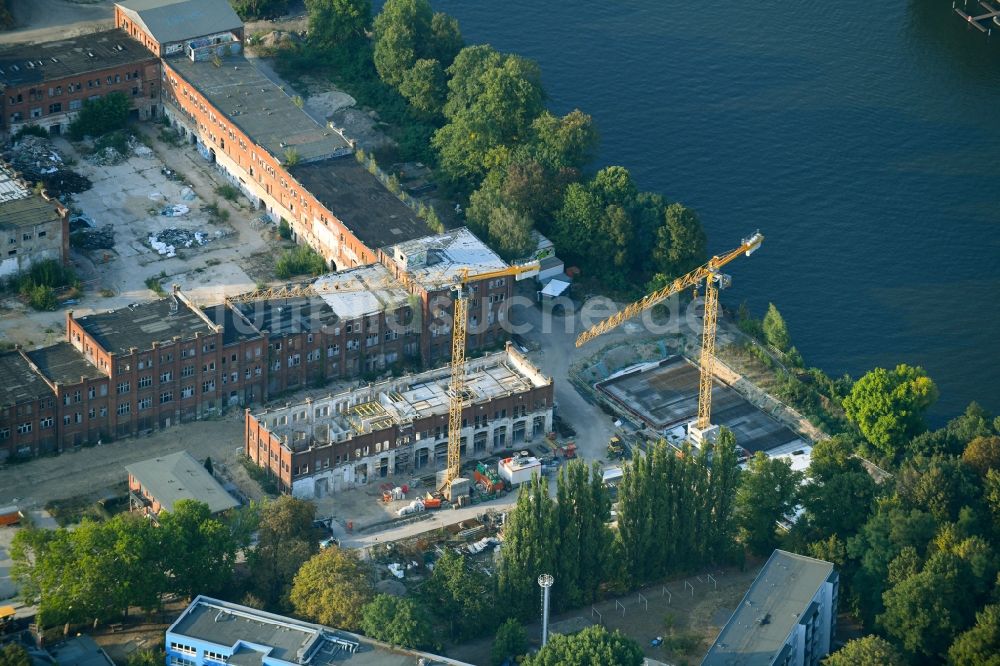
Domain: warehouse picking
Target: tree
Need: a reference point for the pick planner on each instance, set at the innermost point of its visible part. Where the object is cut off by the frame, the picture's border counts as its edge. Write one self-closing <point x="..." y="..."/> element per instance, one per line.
<point x="566" y="142"/>
<point x="510" y="641"/>
<point x="680" y="242"/>
<point x="332" y="588"/>
<point x="530" y="538"/>
<point x="397" y="621"/>
<point x="446" y="38"/>
<point x="983" y="454"/>
<point x="201" y="551"/>
<point x="100" y="116"/>
<point x="768" y="491"/>
<point x="867" y="651"/>
<point x="839" y="498"/>
<point x="335" y="23"/>
<point x="596" y="228"/>
<point x="461" y="595"/>
<point x="13" y="654"/>
<point x="249" y="10"/>
<point x="980" y="645"/>
<point x="925" y="611"/>
<point x="775" y="331"/>
<point x="493" y="99"/>
<point x="888" y="406"/>
<point x="509" y="233"/>
<point x="593" y="646"/>
<point x="401" y="29"/>
<point x="424" y="86"/>
<point x="286" y="540"/>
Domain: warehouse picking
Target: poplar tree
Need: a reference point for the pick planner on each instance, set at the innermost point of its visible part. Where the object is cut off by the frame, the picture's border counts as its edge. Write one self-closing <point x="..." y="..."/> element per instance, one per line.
<point x="530" y="540"/>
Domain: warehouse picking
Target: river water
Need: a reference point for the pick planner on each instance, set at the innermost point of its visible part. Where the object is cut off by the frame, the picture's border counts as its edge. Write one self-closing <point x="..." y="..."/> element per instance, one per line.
<point x="862" y="138"/>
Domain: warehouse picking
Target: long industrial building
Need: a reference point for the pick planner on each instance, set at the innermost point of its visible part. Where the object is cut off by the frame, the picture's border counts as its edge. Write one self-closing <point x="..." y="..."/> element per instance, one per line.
<point x="156" y="364"/>
<point x="399" y="426"/>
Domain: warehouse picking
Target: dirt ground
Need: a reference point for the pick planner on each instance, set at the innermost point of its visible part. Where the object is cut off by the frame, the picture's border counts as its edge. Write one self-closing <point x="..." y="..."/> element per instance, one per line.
<point x="93" y="471"/>
<point x="700" y="615"/>
<point x="130" y="196"/>
<point x="44" y="20"/>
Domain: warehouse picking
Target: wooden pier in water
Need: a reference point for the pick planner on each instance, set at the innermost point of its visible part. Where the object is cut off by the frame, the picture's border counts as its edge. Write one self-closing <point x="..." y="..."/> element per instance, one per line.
<point x="974" y="21"/>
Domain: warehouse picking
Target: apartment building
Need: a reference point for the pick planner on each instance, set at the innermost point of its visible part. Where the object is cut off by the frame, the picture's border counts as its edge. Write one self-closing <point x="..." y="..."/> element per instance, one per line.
<point x="787" y="618"/>
<point x="398" y="426"/>
<point x="33" y="227"/>
<point x="47" y="84"/>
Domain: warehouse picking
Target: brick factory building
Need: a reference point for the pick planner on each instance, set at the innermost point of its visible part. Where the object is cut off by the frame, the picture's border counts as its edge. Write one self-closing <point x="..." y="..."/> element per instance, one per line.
<point x="33" y="227"/>
<point x="47" y="84"/>
<point x="152" y="365"/>
<point x="399" y="426"/>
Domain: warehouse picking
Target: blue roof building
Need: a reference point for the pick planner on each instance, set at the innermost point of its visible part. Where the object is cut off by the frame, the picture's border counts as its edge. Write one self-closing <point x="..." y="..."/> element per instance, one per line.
<point x="212" y="633"/>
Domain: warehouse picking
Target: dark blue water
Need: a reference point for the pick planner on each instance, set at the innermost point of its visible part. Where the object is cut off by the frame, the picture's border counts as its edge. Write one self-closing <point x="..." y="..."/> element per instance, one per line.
<point x="862" y="138"/>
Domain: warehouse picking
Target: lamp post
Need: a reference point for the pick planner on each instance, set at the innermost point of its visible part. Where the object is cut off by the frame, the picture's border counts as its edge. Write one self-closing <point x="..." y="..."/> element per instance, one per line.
<point x="545" y="581"/>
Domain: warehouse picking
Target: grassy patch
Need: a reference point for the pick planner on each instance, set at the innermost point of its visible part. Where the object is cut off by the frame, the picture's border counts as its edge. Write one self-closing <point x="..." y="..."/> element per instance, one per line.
<point x="39" y="284"/>
<point x="154" y="283"/>
<point x="263" y="479"/>
<point x="302" y="260"/>
<point x="216" y="214"/>
<point x="227" y="192"/>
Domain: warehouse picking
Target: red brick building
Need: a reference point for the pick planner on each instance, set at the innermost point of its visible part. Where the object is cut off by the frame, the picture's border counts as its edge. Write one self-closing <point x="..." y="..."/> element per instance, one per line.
<point x="400" y="425"/>
<point x="47" y="84"/>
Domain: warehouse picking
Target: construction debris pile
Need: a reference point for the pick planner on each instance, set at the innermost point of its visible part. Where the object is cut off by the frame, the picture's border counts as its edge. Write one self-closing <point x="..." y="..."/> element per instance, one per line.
<point x="100" y="238"/>
<point x="37" y="161"/>
<point x="110" y="155"/>
<point x="167" y="241"/>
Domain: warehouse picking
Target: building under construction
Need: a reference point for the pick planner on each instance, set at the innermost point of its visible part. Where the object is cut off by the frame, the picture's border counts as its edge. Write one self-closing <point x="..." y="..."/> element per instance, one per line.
<point x="399" y="426"/>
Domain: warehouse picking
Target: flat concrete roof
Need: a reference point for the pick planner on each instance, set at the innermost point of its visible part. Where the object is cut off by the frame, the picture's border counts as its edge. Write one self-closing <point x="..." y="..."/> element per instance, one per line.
<point x="225" y="624"/>
<point x="178" y="20"/>
<point x="19" y="382"/>
<point x="782" y="593"/>
<point x="360" y="201"/>
<point x="665" y="394"/>
<point x="178" y="476"/>
<point x="19" y="206"/>
<point x="265" y="112"/>
<point x="143" y="324"/>
<point x="401" y="400"/>
<point x="361" y="291"/>
<point x="61" y="363"/>
<point x="434" y="261"/>
<point x="50" y="61"/>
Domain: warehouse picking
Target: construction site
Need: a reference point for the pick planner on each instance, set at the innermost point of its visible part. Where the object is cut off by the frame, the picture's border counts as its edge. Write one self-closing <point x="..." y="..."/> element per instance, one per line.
<point x="386" y="391"/>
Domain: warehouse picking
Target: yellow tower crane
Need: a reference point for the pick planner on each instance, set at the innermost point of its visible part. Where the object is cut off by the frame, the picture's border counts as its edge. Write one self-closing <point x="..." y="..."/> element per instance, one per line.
<point x="709" y="273"/>
<point x="456" y="388"/>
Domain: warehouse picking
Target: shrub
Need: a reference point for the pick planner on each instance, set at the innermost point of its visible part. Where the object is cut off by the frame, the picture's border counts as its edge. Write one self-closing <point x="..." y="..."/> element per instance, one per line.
<point x="302" y="260"/>
<point x="33" y="130"/>
<point x="227" y="192"/>
<point x="100" y="116"/>
<point x="291" y="157"/>
<point x="284" y="230"/>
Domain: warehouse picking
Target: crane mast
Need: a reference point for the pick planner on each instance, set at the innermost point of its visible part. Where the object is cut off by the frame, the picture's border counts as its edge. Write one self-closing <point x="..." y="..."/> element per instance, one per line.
<point x="714" y="280"/>
<point x="456" y="385"/>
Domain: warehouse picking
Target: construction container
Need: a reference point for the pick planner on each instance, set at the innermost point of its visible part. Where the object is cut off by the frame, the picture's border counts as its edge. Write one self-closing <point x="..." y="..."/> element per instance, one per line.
<point x="519" y="469"/>
<point x="10" y="515"/>
<point x="487" y="478"/>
